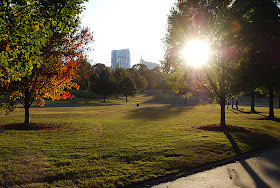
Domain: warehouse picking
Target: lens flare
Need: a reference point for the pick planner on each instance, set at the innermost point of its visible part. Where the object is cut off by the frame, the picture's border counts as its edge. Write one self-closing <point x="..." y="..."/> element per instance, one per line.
<point x="197" y="52"/>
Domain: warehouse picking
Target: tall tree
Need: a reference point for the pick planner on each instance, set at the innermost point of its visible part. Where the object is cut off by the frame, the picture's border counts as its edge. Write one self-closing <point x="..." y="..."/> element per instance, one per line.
<point x="26" y="27"/>
<point x="85" y="70"/>
<point x="262" y="24"/>
<point x="211" y="21"/>
<point x="128" y="87"/>
<point x="102" y="83"/>
<point x="50" y="79"/>
<point x="118" y="75"/>
<point x="140" y="81"/>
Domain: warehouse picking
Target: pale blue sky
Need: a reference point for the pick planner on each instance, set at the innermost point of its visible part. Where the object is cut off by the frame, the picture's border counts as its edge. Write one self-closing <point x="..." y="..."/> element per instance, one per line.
<point x="139" y="25"/>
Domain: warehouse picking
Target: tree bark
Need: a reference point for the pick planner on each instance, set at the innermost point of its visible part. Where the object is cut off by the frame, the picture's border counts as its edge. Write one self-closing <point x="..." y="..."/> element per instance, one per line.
<point x="279" y="101"/>
<point x="26" y="107"/>
<point x="223" y="116"/>
<point x="271" y="111"/>
<point x="104" y="97"/>
<point x="126" y="98"/>
<point x="253" y="102"/>
<point x="27" y="115"/>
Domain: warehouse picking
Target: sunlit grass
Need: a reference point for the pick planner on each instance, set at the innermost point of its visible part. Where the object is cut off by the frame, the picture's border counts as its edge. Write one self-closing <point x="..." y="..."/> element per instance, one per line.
<point x="118" y="144"/>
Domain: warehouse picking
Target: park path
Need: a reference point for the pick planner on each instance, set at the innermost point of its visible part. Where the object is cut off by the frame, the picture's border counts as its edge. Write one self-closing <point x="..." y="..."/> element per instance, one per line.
<point x="261" y="170"/>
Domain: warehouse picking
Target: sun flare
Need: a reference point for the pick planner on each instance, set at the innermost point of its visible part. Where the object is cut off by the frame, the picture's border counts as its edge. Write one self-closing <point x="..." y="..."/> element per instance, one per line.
<point x="197" y="52"/>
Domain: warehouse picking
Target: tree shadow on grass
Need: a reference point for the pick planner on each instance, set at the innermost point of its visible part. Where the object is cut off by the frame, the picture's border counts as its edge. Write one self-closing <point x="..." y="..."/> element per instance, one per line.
<point x="250" y="112"/>
<point x="269" y="118"/>
<point x="228" y="128"/>
<point x="245" y="135"/>
<point x="172" y="99"/>
<point x="30" y="126"/>
<point x="153" y="113"/>
<point x="73" y="104"/>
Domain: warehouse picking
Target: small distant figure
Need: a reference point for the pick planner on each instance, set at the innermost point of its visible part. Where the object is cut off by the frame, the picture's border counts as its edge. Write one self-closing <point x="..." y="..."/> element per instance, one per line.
<point x="236" y="103"/>
<point x="232" y="102"/>
<point x="137" y="105"/>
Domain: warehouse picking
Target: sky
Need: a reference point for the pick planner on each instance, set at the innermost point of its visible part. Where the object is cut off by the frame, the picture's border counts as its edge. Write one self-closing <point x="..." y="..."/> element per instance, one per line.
<point x="139" y="25"/>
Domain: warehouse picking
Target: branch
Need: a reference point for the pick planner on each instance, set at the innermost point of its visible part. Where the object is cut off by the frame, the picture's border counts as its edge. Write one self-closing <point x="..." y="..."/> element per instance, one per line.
<point x="21" y="102"/>
<point x="213" y="86"/>
<point x="206" y="88"/>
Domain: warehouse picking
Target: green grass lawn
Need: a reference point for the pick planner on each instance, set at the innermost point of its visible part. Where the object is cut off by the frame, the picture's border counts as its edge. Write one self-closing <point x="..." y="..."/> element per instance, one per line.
<point x="116" y="144"/>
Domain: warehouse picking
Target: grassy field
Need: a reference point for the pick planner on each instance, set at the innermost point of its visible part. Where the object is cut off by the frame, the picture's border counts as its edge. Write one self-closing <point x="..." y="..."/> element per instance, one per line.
<point x="116" y="144"/>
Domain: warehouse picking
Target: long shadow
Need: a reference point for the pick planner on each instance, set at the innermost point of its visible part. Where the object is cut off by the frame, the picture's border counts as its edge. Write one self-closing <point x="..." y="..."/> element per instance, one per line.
<point x="258" y="181"/>
<point x="269" y="118"/>
<point x="172" y="99"/>
<point x="273" y="157"/>
<point x="242" y="111"/>
<point x="49" y="105"/>
<point x="153" y="113"/>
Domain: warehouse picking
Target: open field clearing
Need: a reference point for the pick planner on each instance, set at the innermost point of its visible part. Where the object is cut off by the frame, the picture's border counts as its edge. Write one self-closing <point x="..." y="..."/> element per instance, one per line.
<point x="114" y="144"/>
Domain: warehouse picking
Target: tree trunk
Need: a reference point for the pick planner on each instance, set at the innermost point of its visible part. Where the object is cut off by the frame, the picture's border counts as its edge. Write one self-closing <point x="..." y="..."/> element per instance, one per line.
<point x="279" y="101"/>
<point x="126" y="98"/>
<point x="223" y="116"/>
<point x="253" y="102"/>
<point x="104" y="97"/>
<point x="27" y="115"/>
<point x="26" y="107"/>
<point x="271" y="111"/>
<point x="223" y="109"/>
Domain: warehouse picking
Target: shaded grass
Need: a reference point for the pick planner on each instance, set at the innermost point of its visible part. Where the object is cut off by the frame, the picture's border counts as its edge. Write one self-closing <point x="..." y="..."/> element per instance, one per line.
<point x="120" y="145"/>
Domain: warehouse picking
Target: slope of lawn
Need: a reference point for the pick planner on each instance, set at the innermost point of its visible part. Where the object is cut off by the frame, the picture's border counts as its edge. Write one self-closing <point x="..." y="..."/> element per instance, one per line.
<point x="87" y="143"/>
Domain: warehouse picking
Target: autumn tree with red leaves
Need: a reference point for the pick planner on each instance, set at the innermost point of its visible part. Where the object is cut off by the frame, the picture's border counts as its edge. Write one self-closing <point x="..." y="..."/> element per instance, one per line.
<point x="41" y="46"/>
<point x="61" y="59"/>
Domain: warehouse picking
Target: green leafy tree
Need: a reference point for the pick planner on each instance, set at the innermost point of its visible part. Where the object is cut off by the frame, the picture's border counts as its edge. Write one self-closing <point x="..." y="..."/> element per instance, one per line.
<point x="102" y="83"/>
<point x="40" y="47"/>
<point x="262" y="23"/>
<point x="85" y="70"/>
<point x="141" y="68"/>
<point x="118" y="76"/>
<point x="50" y="79"/>
<point x="26" y="27"/>
<point x="140" y="81"/>
<point x="98" y="66"/>
<point x="128" y="87"/>
<point x="181" y="83"/>
<point x="210" y="21"/>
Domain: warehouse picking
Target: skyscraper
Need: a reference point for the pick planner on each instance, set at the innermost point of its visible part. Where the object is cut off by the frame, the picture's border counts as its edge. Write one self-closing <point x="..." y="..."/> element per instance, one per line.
<point x="120" y="58"/>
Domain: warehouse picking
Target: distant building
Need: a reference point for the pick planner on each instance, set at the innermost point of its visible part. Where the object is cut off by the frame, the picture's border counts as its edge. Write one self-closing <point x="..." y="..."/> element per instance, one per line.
<point x="120" y="58"/>
<point x="149" y="65"/>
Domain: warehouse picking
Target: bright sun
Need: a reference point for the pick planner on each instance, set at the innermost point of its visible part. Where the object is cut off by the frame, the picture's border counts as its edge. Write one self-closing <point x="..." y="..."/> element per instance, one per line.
<point x="196" y="52"/>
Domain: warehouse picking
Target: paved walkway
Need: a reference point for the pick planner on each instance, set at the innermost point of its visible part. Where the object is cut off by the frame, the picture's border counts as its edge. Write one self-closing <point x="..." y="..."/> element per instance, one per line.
<point x="262" y="170"/>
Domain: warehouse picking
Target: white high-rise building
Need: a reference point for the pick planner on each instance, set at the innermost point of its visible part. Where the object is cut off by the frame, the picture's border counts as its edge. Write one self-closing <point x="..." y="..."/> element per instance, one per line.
<point x="120" y="58"/>
<point x="149" y="65"/>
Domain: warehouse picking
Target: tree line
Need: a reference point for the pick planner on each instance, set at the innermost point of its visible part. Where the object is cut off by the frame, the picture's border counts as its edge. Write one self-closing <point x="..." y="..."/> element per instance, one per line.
<point x="105" y="82"/>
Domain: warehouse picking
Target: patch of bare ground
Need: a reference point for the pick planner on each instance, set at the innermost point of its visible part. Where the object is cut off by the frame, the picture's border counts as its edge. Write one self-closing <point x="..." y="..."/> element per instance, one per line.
<point x="29" y="126"/>
<point x="227" y="128"/>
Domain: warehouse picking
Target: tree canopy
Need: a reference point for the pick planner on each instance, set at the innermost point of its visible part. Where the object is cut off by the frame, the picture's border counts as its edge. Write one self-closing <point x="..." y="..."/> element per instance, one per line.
<point x="26" y="26"/>
<point x="41" y="48"/>
<point x="220" y="23"/>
